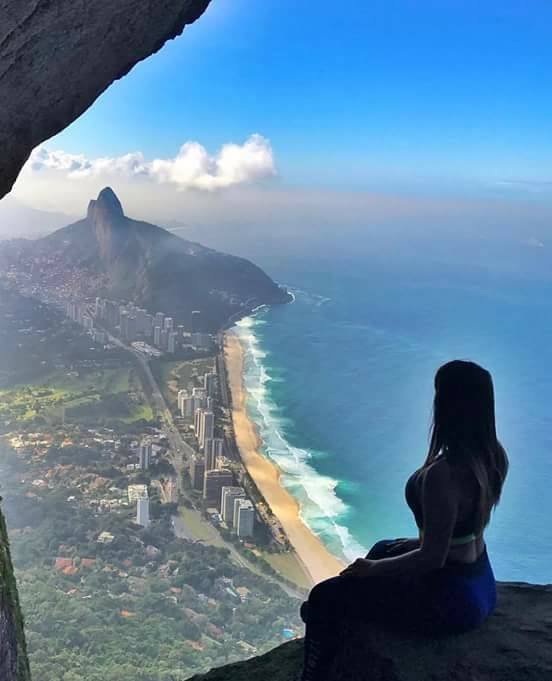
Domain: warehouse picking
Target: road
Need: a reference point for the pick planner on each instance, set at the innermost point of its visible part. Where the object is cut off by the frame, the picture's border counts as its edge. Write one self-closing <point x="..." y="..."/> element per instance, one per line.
<point x="180" y="450"/>
<point x="213" y="537"/>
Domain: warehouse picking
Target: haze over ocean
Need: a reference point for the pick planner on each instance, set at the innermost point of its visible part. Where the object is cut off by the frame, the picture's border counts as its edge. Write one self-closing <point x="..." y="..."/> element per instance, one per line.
<point x="340" y="384"/>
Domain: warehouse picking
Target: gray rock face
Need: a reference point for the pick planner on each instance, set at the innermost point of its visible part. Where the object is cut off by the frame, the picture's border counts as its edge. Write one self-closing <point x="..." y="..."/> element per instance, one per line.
<point x="8" y="645"/>
<point x="58" y="56"/>
<point x="14" y="665"/>
<point x="514" y="645"/>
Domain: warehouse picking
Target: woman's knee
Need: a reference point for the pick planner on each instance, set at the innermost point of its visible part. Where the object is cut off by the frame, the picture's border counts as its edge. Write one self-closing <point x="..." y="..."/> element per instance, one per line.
<point x="325" y="593"/>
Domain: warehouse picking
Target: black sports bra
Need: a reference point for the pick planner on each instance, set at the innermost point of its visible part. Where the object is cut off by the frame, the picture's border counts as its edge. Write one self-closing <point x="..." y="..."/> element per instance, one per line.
<point x="465" y="530"/>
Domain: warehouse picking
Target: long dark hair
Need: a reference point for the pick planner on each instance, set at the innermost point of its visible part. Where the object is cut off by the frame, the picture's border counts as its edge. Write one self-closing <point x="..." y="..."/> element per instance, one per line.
<point x="464" y="429"/>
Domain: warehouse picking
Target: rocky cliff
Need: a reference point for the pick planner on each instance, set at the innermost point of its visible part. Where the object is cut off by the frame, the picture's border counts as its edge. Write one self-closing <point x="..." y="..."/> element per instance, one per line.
<point x="56" y="58"/>
<point x="14" y="665"/>
<point x="514" y="645"/>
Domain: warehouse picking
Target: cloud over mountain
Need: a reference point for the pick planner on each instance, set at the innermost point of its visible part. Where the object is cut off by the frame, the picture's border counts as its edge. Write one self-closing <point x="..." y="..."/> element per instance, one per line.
<point x="192" y="168"/>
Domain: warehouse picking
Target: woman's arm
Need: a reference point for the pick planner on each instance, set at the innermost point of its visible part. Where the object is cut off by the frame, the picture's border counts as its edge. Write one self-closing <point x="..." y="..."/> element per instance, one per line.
<point x="440" y="508"/>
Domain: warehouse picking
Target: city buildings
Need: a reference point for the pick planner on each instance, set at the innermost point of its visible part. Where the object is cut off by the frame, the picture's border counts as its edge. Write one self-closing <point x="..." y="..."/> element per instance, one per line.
<point x="204" y="425"/>
<point x="213" y="482"/>
<point x="244" y="517"/>
<point x="144" y="455"/>
<point x="142" y="512"/>
<point x="157" y="335"/>
<point x="213" y="450"/>
<point x="209" y="384"/>
<point x="182" y="395"/>
<point x="128" y="326"/>
<point x="228" y="496"/>
<point x="197" y="472"/>
<point x="197" y="405"/>
<point x="190" y="405"/>
<point x="201" y="341"/>
<point x="136" y="492"/>
<point x="171" y="341"/>
<point x="195" y="326"/>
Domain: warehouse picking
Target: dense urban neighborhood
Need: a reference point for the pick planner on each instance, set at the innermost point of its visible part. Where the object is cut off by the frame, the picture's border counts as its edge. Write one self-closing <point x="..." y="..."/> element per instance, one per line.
<point x="127" y="502"/>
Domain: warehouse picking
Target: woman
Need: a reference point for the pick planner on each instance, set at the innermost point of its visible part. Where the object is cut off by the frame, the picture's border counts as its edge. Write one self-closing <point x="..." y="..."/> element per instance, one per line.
<point x="443" y="581"/>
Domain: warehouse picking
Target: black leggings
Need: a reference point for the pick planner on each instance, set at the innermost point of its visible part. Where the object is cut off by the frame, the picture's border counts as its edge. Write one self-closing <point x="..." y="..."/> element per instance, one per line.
<point x="453" y="599"/>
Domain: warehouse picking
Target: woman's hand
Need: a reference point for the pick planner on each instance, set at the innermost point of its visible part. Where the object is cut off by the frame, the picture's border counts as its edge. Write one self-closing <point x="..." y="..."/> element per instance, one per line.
<point x="360" y="568"/>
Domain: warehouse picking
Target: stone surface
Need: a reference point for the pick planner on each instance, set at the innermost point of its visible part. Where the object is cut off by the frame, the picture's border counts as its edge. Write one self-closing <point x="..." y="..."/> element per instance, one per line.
<point x="14" y="665"/>
<point x="58" y="56"/>
<point x="514" y="645"/>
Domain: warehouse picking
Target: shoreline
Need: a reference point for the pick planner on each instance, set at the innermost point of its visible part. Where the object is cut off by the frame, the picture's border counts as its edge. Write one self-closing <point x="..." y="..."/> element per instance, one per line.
<point x="316" y="559"/>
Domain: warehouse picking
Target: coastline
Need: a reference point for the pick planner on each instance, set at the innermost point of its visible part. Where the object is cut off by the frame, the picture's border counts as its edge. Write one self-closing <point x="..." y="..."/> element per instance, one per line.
<point x="317" y="561"/>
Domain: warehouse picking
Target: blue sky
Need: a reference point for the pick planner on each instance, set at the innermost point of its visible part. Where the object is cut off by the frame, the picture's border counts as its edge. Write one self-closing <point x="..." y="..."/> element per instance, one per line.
<point x="403" y="117"/>
<point x="395" y="94"/>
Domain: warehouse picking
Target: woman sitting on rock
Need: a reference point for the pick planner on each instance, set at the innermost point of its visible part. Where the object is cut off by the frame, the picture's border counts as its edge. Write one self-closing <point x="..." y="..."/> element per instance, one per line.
<point x="442" y="582"/>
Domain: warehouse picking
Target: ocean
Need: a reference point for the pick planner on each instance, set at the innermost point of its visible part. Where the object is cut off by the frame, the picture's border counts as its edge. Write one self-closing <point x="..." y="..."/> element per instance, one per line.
<point x="340" y="384"/>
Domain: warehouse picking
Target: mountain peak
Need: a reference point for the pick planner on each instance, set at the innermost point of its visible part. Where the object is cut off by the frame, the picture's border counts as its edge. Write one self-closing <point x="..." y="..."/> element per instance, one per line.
<point x="107" y="205"/>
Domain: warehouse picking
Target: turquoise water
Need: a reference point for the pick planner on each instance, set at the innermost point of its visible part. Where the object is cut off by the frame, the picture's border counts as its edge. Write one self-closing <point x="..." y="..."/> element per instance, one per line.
<point x="340" y="385"/>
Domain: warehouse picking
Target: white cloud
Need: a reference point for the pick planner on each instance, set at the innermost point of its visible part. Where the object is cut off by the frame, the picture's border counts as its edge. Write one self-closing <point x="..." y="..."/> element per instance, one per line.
<point x="191" y="168"/>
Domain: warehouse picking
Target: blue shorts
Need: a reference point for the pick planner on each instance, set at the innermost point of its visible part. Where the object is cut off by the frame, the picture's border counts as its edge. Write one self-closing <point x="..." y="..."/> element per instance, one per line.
<point x="455" y="598"/>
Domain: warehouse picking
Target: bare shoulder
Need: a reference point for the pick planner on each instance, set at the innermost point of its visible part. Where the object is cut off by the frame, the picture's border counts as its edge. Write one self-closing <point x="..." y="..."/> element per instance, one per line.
<point x="439" y="474"/>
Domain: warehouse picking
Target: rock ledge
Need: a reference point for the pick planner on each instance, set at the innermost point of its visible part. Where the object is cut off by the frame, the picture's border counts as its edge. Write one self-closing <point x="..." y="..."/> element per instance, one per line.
<point x="56" y="58"/>
<point x="514" y="645"/>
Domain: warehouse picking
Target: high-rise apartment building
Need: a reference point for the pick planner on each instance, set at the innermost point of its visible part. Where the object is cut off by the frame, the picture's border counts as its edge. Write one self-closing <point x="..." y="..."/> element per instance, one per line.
<point x="190" y="405"/>
<point x="142" y="512"/>
<point x="197" y="472"/>
<point x="244" y="517"/>
<point x="204" y="423"/>
<point x="182" y="395"/>
<point x="209" y="384"/>
<point x="213" y="449"/>
<point x="144" y="455"/>
<point x="157" y="336"/>
<point x="195" y="326"/>
<point x="228" y="496"/>
<point x="213" y="482"/>
<point x="171" y="342"/>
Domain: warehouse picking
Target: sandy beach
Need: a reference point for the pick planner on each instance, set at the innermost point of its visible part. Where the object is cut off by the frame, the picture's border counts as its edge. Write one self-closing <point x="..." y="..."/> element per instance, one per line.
<point x="318" y="562"/>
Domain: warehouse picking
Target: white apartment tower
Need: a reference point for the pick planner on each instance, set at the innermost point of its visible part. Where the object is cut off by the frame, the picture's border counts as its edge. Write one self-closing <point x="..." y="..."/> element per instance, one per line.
<point x="142" y="512"/>
<point x="244" y="517"/>
<point x="144" y="455"/>
<point x="171" y="341"/>
<point x="228" y="496"/>
<point x="204" y="423"/>
<point x="157" y="336"/>
<point x="182" y="395"/>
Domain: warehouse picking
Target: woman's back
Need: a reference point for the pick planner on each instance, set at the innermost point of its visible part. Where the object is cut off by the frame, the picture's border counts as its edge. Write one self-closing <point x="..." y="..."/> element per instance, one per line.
<point x="467" y="537"/>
